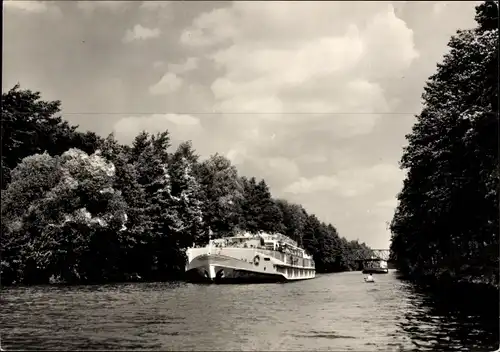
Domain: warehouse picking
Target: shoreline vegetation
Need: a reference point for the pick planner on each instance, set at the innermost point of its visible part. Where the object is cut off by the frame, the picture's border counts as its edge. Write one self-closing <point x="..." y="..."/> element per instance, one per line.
<point x="445" y="228"/>
<point x="81" y="209"/>
<point x="78" y="208"/>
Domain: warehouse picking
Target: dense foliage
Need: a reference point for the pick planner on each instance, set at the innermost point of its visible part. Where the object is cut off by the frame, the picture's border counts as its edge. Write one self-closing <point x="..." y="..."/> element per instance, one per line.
<point x="446" y="224"/>
<point x="78" y="208"/>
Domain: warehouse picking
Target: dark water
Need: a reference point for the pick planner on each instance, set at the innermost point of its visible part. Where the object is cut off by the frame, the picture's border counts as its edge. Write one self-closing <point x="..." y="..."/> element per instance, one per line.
<point x="332" y="312"/>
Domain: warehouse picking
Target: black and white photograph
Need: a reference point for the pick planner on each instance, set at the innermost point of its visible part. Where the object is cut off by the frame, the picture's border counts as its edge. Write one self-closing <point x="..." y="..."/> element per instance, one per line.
<point x="250" y="176"/>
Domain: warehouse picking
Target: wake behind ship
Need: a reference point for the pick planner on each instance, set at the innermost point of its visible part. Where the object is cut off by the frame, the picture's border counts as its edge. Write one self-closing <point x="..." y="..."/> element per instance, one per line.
<point x="249" y="258"/>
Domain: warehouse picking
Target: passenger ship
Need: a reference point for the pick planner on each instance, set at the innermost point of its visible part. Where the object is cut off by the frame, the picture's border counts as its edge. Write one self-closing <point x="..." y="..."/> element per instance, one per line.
<point x="249" y="258"/>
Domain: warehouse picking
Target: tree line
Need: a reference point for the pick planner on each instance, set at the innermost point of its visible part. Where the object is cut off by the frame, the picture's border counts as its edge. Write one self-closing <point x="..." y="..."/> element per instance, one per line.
<point x="80" y="208"/>
<point x="445" y="228"/>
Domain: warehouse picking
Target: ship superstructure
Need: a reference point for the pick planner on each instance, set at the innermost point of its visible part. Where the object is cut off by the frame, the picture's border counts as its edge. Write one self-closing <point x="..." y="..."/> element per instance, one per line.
<point x="250" y="258"/>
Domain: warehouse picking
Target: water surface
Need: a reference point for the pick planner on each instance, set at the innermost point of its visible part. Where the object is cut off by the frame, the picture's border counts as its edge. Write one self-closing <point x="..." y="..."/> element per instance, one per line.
<point x="332" y="312"/>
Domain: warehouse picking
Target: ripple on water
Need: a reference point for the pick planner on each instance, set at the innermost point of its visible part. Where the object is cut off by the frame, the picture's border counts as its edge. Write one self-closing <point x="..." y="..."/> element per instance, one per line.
<point x="324" y="335"/>
<point x="331" y="312"/>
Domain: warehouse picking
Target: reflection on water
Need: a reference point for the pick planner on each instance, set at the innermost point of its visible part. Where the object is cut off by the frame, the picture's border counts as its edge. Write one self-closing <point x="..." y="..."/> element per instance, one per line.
<point x="332" y="312"/>
<point x="452" y="321"/>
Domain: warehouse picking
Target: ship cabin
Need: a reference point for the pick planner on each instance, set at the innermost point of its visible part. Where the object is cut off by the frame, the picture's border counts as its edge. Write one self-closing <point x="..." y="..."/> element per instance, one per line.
<point x="241" y="241"/>
<point x="274" y="242"/>
<point x="283" y="244"/>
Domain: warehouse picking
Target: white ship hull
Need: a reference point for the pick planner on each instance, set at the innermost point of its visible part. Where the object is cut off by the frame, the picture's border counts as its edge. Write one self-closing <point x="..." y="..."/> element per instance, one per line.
<point x="232" y="265"/>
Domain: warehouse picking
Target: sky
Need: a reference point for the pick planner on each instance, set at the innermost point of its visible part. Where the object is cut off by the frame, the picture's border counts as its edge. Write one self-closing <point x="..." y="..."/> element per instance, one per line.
<point x="314" y="97"/>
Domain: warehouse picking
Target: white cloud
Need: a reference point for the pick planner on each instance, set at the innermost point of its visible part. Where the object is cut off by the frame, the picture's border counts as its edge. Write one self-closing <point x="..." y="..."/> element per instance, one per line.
<point x="312" y="185"/>
<point x="182" y="120"/>
<point x="234" y="155"/>
<point x="28" y="6"/>
<point x="319" y="76"/>
<point x="276" y="170"/>
<point x="312" y="159"/>
<point x="160" y="12"/>
<point x="181" y="127"/>
<point x="190" y="64"/>
<point x="140" y="33"/>
<point x="113" y="6"/>
<point x="348" y="183"/>
<point x="321" y="72"/>
<point x="155" y="5"/>
<point x="168" y="84"/>
<point x="32" y="6"/>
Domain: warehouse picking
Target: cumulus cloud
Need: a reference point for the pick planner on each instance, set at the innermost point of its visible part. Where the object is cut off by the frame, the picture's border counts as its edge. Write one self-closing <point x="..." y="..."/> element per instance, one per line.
<point x="321" y="73"/>
<point x="155" y="5"/>
<point x="348" y="183"/>
<point x="168" y="84"/>
<point x="113" y="6"/>
<point x="31" y="6"/>
<point x="274" y="169"/>
<point x="289" y="91"/>
<point x="181" y="127"/>
<point x="159" y="12"/>
<point x="140" y="33"/>
<point x="190" y="64"/>
<point x="28" y="6"/>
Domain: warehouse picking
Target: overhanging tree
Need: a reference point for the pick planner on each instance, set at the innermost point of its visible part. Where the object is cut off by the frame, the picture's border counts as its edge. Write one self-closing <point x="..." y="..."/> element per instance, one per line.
<point x="446" y="223"/>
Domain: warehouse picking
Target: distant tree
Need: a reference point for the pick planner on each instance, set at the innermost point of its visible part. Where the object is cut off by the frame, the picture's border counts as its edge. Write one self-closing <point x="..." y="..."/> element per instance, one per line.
<point x="186" y="192"/>
<point x="446" y="223"/>
<point x="294" y="219"/>
<point x="185" y="150"/>
<point x="310" y="239"/>
<point x="222" y="195"/>
<point x="139" y="145"/>
<point x="135" y="257"/>
<point x="151" y="163"/>
<point x="270" y="215"/>
<point x="249" y="209"/>
<point x="260" y="212"/>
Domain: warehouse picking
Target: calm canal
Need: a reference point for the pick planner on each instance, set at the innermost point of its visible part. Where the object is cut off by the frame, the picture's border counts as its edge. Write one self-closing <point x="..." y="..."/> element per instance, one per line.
<point x="332" y="312"/>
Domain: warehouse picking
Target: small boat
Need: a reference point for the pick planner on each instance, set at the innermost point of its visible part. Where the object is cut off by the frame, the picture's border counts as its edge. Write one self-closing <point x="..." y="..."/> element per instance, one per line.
<point x="369" y="278"/>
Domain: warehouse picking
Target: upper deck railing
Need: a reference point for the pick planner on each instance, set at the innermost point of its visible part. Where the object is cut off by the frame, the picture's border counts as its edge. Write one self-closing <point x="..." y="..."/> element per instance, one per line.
<point x="289" y="259"/>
